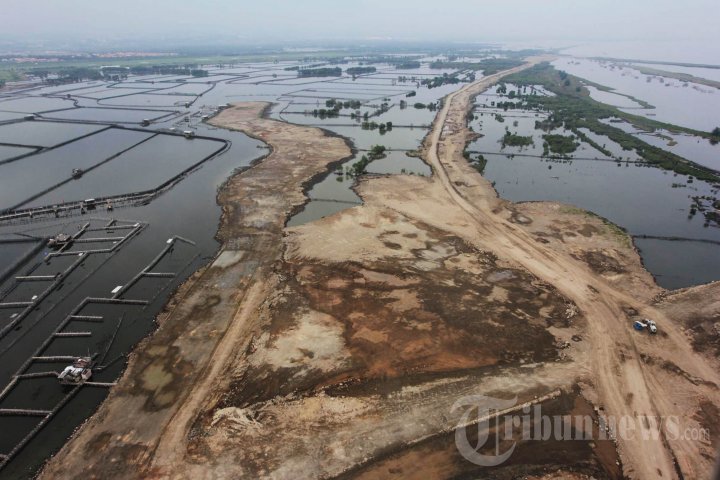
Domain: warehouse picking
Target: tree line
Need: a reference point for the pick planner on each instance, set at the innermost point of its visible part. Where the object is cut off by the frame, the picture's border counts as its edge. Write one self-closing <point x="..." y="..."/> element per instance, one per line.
<point x="320" y="72"/>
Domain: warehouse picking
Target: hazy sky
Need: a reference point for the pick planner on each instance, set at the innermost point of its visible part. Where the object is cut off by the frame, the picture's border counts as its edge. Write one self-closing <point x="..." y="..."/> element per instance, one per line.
<point x="474" y="20"/>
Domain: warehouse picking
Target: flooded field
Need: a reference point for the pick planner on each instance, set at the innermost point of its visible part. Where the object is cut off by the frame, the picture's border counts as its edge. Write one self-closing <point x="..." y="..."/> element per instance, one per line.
<point x="7" y="152"/>
<point x="85" y="150"/>
<point x="48" y="169"/>
<point x="644" y="200"/>
<point x="44" y="134"/>
<point x="674" y="101"/>
<point x="115" y="115"/>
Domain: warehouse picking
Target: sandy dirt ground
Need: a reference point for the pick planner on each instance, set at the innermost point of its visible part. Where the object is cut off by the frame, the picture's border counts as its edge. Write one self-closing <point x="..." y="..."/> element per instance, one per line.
<point x="625" y="382"/>
<point x="336" y="349"/>
<point x="208" y="318"/>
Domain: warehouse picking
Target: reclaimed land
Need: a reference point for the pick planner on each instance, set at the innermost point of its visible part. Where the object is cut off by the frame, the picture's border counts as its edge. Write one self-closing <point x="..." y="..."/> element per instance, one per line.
<point x="337" y="348"/>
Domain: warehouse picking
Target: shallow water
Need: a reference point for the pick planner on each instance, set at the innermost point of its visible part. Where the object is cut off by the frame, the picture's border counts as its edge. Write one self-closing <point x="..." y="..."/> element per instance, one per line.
<point x="8" y="116"/>
<point x="672" y="262"/>
<point x="34" y="104"/>
<point x="697" y="149"/>
<point x="147" y="100"/>
<point x="706" y="73"/>
<point x="334" y="193"/>
<point x="44" y="134"/>
<point x="694" y="106"/>
<point x="682" y="51"/>
<point x="143" y="168"/>
<point x="639" y="198"/>
<point x="7" y="152"/>
<point x="399" y="163"/>
<point x="27" y="177"/>
<point x="115" y="115"/>
<point x="612" y="98"/>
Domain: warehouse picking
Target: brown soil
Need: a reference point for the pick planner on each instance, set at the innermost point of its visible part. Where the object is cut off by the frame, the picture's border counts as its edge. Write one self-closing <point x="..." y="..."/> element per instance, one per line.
<point x="698" y="311"/>
<point x="211" y="316"/>
<point x="438" y="457"/>
<point x="339" y="347"/>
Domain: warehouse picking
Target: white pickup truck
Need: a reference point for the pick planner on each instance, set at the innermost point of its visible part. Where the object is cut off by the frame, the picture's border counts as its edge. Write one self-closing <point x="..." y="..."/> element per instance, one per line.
<point x="651" y="325"/>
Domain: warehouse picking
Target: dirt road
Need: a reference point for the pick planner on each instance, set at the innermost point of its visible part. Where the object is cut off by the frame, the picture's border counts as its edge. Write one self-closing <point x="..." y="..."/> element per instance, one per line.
<point x="646" y="455"/>
<point x="172" y="446"/>
<point x="322" y="350"/>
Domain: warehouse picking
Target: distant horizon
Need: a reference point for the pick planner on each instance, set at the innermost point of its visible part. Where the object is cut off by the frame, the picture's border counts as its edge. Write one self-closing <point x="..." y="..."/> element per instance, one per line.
<point x="547" y="22"/>
<point x="657" y="30"/>
<point x="668" y="51"/>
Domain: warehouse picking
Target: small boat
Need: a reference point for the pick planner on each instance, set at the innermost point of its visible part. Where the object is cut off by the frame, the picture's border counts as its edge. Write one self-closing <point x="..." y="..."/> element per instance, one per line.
<point x="79" y="372"/>
<point x="59" y="240"/>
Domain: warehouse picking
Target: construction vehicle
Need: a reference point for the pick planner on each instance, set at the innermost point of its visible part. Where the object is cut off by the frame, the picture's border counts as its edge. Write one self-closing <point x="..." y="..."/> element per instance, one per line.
<point x="641" y="325"/>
